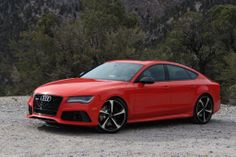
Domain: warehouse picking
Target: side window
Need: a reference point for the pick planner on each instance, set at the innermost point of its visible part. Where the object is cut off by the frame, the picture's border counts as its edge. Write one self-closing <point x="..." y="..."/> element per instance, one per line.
<point x="192" y="74"/>
<point x="156" y="72"/>
<point x="177" y="73"/>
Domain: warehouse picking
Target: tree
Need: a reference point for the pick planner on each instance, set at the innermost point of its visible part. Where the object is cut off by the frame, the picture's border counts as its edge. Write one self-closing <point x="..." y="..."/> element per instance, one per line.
<point x="73" y="54"/>
<point x="125" y="43"/>
<point x="34" y="51"/>
<point x="102" y="17"/>
<point x="192" y="42"/>
<point x="54" y="50"/>
<point x="206" y="41"/>
<point x="223" y="22"/>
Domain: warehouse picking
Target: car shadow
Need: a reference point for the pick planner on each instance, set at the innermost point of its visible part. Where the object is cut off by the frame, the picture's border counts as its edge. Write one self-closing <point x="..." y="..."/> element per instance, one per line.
<point x="66" y="129"/>
<point x="166" y="130"/>
<point x="159" y="124"/>
<point x="59" y="128"/>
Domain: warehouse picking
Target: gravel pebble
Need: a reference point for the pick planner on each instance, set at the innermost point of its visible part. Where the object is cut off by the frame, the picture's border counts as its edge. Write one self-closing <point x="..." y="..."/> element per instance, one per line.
<point x="20" y="136"/>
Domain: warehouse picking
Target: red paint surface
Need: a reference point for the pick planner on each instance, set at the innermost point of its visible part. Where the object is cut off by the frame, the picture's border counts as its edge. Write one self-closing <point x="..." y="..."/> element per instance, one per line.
<point x="145" y="102"/>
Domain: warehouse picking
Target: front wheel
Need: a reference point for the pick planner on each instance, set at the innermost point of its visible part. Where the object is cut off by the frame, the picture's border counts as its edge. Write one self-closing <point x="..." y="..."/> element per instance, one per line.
<point x="203" y="110"/>
<point x="112" y="116"/>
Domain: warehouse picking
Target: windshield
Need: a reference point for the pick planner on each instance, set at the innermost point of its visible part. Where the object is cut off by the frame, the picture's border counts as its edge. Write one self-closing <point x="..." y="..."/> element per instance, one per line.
<point x="114" y="71"/>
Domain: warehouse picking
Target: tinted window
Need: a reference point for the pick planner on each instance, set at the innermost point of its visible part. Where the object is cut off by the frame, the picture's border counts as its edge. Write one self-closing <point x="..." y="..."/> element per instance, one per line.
<point x="192" y="74"/>
<point x="114" y="71"/>
<point x="177" y="73"/>
<point x="156" y="72"/>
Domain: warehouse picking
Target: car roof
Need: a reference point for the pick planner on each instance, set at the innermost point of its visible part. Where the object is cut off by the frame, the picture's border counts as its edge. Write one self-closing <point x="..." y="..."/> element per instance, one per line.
<point x="148" y="62"/>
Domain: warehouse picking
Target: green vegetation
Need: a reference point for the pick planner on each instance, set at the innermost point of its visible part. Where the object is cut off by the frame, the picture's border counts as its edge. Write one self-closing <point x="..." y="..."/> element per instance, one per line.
<point x="55" y="48"/>
<point x="206" y="41"/>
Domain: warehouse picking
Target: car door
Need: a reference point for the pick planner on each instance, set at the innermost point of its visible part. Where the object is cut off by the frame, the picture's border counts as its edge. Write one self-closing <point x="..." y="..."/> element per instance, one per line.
<point x="182" y="89"/>
<point x="151" y="100"/>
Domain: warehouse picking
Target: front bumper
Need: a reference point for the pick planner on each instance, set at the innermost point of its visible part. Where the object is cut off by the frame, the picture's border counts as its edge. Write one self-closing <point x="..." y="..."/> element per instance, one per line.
<point x="87" y="114"/>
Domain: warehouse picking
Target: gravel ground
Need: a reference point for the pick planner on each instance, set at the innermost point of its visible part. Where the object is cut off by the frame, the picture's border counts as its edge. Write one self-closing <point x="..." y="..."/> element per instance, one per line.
<point x="23" y="137"/>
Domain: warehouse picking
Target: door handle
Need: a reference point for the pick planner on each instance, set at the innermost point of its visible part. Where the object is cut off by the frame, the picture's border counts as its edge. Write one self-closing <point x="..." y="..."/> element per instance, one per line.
<point x="193" y="86"/>
<point x="166" y="87"/>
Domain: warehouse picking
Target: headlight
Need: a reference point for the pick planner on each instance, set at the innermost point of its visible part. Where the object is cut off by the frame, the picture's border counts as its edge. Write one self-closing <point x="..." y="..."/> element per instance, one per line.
<point x="80" y="99"/>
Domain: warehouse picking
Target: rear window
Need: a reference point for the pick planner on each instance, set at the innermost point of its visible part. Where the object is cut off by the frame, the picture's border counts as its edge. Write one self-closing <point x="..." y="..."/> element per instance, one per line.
<point x="179" y="73"/>
<point x="193" y="75"/>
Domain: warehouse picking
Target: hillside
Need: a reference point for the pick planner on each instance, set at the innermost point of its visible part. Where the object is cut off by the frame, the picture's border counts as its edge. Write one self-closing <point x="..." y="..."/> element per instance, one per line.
<point x="61" y="35"/>
<point x="16" y="16"/>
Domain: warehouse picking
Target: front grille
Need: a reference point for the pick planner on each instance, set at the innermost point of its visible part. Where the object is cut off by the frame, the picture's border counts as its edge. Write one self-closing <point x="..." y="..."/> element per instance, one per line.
<point x="47" y="106"/>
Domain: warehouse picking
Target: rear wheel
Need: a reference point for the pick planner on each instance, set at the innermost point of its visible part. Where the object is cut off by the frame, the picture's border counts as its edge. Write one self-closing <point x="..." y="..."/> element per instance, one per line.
<point x="203" y="110"/>
<point x="112" y="116"/>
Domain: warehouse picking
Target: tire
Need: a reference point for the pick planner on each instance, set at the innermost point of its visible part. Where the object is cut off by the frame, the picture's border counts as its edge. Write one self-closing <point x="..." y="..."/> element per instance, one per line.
<point x="203" y="110"/>
<point x="112" y="116"/>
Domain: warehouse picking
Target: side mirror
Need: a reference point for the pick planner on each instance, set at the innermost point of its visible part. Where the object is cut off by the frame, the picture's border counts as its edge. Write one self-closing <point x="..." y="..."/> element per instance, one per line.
<point x="147" y="80"/>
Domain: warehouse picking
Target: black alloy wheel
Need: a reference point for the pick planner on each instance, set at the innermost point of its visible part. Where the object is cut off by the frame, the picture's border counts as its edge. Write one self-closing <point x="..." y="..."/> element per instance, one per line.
<point x="112" y="116"/>
<point x="203" y="110"/>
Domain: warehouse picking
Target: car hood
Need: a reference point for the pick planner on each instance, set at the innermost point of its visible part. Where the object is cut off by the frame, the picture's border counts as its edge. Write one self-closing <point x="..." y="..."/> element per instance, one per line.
<point x="75" y="86"/>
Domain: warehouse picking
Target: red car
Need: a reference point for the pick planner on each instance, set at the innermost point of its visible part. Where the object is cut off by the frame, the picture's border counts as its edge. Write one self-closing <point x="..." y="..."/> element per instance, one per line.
<point x="125" y="91"/>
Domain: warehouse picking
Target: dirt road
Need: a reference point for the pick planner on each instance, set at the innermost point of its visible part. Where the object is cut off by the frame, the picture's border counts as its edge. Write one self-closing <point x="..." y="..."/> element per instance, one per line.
<point x="23" y="137"/>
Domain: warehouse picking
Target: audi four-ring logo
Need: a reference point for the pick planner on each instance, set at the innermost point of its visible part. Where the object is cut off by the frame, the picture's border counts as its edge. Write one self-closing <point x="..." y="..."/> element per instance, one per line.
<point x="46" y="98"/>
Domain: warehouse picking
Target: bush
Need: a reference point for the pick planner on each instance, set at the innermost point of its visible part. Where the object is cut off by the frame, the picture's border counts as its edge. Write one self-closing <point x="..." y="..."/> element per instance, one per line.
<point x="232" y="97"/>
<point x="233" y="91"/>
